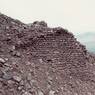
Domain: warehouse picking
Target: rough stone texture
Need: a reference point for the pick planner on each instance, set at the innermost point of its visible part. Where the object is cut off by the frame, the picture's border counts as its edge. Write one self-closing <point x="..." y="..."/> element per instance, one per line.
<point x="38" y="60"/>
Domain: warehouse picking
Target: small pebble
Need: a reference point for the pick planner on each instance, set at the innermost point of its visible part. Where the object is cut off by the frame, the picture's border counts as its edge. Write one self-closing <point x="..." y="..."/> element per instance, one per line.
<point x="2" y="60"/>
<point x="7" y="76"/>
<point x="28" y="86"/>
<point x="51" y="92"/>
<point x="41" y="61"/>
<point x="26" y="93"/>
<point x="17" y="78"/>
<point x="29" y="77"/>
<point x="28" y="63"/>
<point x="40" y="93"/>
<point x="20" y="87"/>
<point x="10" y="82"/>
<point x="13" y="48"/>
<point x="7" y="27"/>
<point x="17" y="54"/>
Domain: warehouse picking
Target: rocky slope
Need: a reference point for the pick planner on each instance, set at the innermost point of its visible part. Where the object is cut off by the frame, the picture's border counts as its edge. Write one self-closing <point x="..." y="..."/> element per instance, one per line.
<point x="38" y="60"/>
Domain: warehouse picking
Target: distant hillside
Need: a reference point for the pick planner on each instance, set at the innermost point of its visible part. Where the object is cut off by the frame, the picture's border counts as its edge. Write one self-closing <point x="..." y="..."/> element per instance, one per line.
<point x="87" y="39"/>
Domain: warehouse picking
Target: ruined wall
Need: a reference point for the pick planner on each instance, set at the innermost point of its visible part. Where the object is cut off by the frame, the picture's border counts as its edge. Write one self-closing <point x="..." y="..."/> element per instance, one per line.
<point x="38" y="60"/>
<point x="57" y="46"/>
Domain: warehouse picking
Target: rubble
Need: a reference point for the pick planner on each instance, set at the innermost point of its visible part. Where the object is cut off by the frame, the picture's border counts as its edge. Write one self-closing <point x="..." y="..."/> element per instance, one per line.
<point x="38" y="60"/>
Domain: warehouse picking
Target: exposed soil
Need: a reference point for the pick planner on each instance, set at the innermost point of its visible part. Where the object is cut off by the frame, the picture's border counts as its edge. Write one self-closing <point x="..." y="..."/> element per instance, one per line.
<point x="38" y="60"/>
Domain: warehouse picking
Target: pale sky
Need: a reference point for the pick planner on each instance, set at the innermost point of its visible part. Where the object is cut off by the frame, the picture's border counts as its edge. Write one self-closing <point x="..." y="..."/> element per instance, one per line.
<point x="75" y="15"/>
